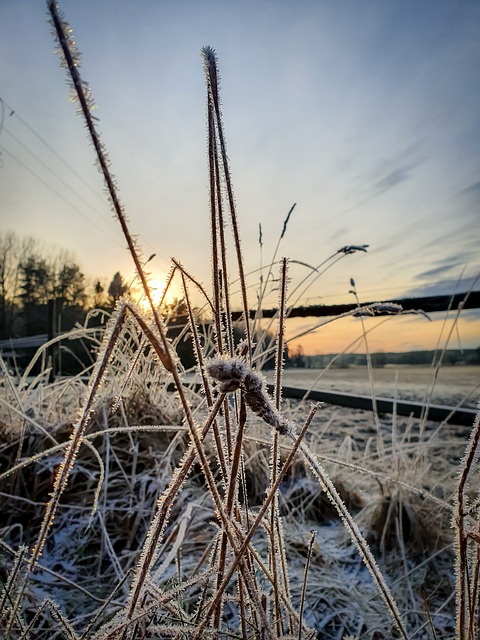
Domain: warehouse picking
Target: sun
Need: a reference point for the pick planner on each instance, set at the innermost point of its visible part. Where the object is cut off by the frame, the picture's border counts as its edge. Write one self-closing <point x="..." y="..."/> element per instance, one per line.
<point x="157" y="285"/>
<point x="157" y="288"/>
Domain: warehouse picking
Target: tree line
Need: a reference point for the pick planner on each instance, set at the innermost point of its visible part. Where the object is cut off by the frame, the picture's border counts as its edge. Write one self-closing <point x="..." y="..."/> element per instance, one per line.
<point x="32" y="274"/>
<point x="380" y="359"/>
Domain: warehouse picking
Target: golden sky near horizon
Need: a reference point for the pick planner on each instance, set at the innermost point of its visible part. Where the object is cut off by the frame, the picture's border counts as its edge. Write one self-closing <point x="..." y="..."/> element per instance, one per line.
<point x="407" y="333"/>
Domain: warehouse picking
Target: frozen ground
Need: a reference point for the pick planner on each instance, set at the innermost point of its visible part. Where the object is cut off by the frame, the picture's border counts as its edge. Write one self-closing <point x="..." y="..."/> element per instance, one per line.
<point x="453" y="385"/>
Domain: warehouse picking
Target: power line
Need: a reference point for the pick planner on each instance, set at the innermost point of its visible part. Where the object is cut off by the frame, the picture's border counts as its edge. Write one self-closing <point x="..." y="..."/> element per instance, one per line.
<point x="52" y="150"/>
<point x="4" y="104"/>
<point x="57" y="193"/>
<point x="54" y="173"/>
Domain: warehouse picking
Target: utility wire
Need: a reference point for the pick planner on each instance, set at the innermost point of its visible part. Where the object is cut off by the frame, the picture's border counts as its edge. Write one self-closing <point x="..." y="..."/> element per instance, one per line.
<point x="54" y="173"/>
<point x="52" y="150"/>
<point x="57" y="193"/>
<point x="12" y="111"/>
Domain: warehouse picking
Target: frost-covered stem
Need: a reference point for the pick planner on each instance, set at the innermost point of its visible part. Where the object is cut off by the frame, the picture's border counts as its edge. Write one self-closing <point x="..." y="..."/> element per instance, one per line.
<point x="76" y="438"/>
<point x="206" y="386"/>
<point x="223" y="245"/>
<point x="258" y="311"/>
<point x="169" y="281"/>
<point x="316" y="270"/>
<point x="153" y="339"/>
<point x="230" y="501"/>
<point x="109" y="181"/>
<point x="276" y="538"/>
<point x="355" y="534"/>
<point x="241" y="598"/>
<point x="439" y="363"/>
<point x="376" y="418"/>
<point x="48" y="604"/>
<point x="129" y="375"/>
<point x="77" y="82"/>
<point x="281" y="335"/>
<point x="197" y="284"/>
<point x="462" y="586"/>
<point x="237" y="454"/>
<point x="164" y="505"/>
<point x="213" y="225"/>
<point x="272" y="262"/>
<point x="225" y="291"/>
<point x="266" y="504"/>
<point x="211" y="72"/>
<point x="304" y="584"/>
<point x="474" y="591"/>
<point x="272" y="556"/>
<point x="100" y="481"/>
<point x="8" y="589"/>
<point x="278" y="398"/>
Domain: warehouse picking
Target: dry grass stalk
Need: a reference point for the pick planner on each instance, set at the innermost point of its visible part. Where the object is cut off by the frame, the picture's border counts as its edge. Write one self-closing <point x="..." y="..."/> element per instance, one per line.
<point x="220" y="155"/>
<point x="276" y="534"/>
<point x="76" y="439"/>
<point x="467" y="526"/>
<point x="258" y="520"/>
<point x="304" y="585"/>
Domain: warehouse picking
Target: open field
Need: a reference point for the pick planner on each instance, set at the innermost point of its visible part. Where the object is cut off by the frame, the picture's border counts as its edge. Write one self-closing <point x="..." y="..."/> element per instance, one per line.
<point x="453" y="385"/>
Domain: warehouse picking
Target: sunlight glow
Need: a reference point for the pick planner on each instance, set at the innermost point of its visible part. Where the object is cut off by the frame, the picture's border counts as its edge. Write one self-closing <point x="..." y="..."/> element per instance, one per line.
<point x="157" y="288"/>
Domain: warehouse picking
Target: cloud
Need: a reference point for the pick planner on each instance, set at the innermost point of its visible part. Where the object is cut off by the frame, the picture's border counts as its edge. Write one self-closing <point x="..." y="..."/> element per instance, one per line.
<point x="471" y="315"/>
<point x="387" y="174"/>
<point x="473" y="189"/>
<point x="340" y="233"/>
<point x="391" y="180"/>
<point x="444" y="287"/>
<point x="397" y="166"/>
<point x="382" y="185"/>
<point x="467" y="202"/>
<point x="436" y="271"/>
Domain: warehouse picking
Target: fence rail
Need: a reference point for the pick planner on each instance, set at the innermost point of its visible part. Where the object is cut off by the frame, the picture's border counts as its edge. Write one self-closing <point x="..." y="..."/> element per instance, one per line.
<point x="428" y="304"/>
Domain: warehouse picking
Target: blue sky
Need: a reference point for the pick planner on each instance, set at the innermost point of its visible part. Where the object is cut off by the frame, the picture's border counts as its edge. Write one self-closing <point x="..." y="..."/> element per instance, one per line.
<point x="363" y="113"/>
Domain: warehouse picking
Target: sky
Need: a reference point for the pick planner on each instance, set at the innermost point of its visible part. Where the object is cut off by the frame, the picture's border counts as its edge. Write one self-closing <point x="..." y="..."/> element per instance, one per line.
<point x="363" y="113"/>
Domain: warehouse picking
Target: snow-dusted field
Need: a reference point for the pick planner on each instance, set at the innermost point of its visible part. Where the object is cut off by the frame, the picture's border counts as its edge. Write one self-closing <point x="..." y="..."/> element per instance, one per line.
<point x="451" y="386"/>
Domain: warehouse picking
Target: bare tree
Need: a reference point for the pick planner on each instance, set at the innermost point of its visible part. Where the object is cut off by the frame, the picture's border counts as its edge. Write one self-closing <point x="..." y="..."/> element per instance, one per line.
<point x="30" y="275"/>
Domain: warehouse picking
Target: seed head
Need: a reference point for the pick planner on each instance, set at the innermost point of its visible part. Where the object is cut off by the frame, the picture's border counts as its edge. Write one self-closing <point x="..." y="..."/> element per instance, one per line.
<point x="233" y="374"/>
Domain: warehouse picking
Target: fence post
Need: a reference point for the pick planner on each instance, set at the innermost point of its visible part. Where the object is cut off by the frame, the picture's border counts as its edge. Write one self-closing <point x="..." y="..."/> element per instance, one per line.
<point x="51" y="333"/>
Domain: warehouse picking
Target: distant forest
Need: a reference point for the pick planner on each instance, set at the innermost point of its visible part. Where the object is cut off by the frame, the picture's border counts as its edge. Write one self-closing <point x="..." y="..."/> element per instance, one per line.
<point x="380" y="359"/>
<point x="32" y="276"/>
